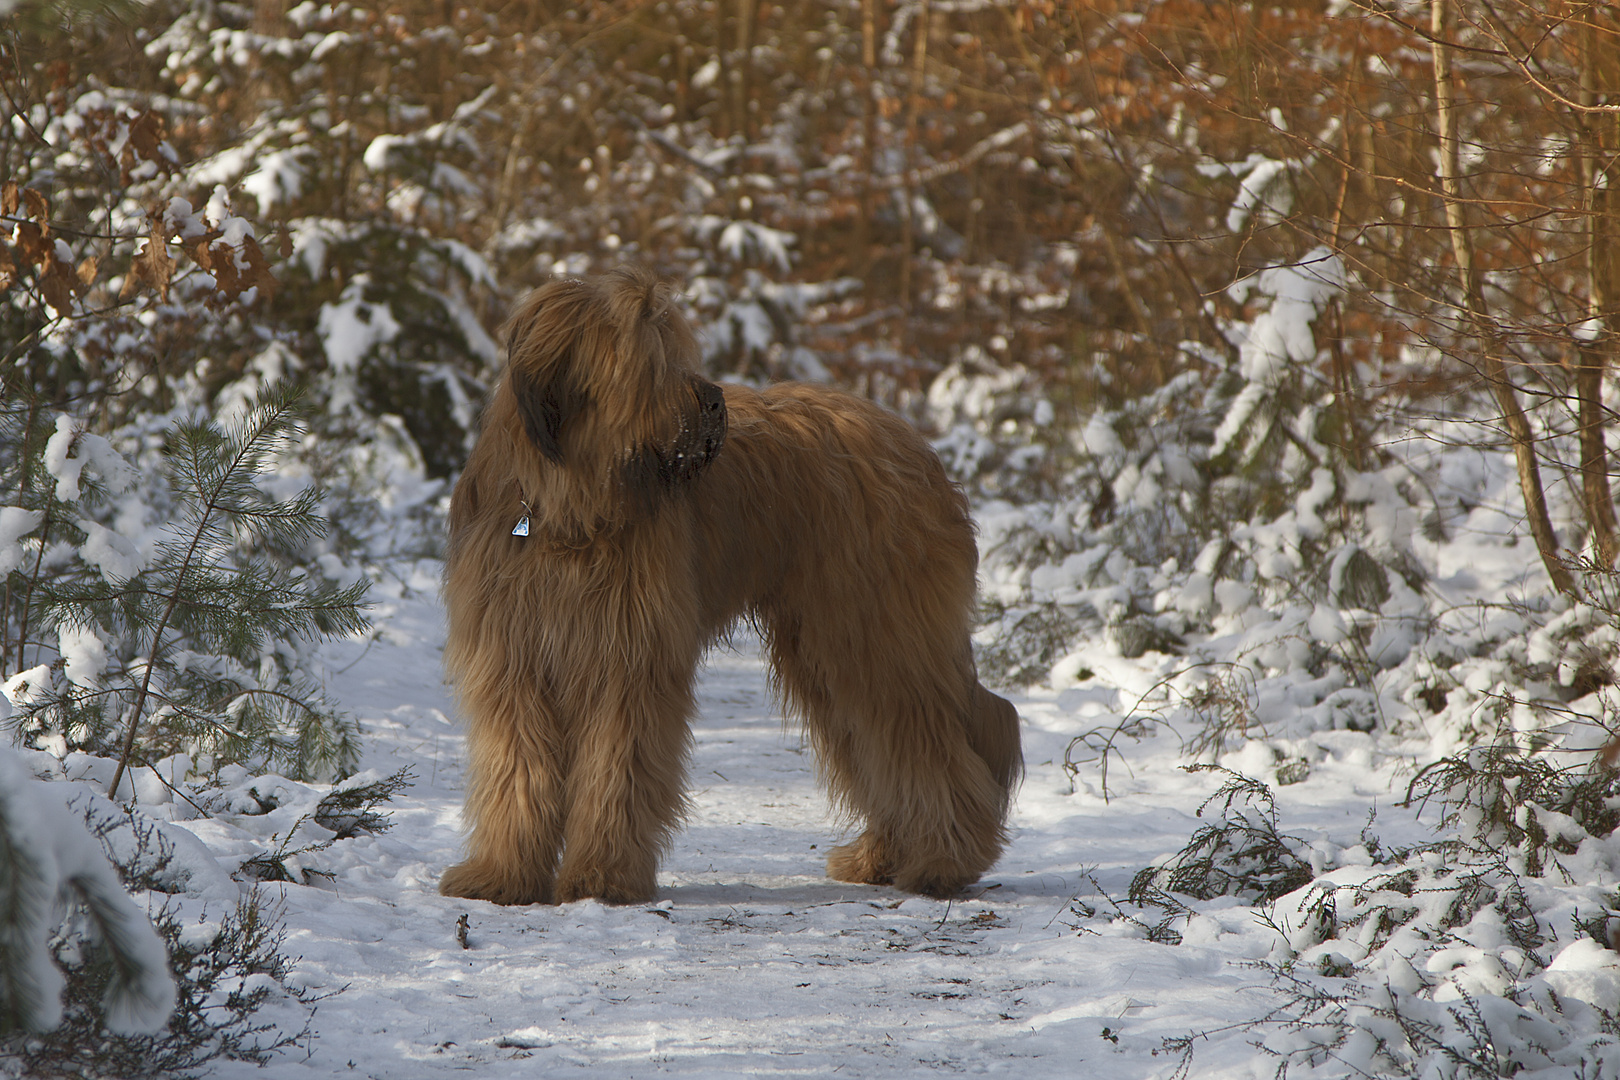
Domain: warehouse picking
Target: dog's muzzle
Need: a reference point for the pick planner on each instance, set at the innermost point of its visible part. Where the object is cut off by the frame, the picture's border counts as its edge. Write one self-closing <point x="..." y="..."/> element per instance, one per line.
<point x="702" y="434"/>
<point x="654" y="471"/>
<point x="711" y="425"/>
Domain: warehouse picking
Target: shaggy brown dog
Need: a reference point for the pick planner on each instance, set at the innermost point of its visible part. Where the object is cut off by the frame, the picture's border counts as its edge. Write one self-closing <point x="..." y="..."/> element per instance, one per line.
<point x="659" y="509"/>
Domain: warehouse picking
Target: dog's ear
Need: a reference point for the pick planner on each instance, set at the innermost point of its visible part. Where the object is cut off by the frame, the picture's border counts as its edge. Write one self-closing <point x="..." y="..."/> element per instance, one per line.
<point x="540" y="348"/>
<point x="546" y="404"/>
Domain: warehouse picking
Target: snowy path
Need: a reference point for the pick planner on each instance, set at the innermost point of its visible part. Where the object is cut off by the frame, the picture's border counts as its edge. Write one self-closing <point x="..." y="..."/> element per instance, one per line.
<point x="751" y="962"/>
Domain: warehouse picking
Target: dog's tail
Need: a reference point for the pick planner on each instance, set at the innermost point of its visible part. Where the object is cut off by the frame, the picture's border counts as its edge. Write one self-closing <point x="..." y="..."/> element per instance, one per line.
<point x="993" y="732"/>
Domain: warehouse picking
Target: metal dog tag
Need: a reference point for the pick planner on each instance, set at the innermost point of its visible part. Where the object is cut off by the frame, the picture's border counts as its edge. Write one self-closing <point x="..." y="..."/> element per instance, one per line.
<point x="522" y="527"/>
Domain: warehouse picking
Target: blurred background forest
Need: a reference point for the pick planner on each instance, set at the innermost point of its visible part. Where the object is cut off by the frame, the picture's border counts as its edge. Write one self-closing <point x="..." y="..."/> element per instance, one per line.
<point x="1073" y="198"/>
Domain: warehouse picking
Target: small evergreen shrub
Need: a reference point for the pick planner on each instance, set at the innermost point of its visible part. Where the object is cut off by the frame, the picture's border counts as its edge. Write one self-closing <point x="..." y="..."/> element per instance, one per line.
<point x="347" y="811"/>
<point x="1500" y="797"/>
<point x="225" y="974"/>
<point x="200" y="645"/>
<point x="49" y="863"/>
<point x="1242" y="854"/>
<point x="1434" y="960"/>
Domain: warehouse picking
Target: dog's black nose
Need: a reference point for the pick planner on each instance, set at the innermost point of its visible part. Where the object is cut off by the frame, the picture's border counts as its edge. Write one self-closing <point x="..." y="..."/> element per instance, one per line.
<point x="710" y="398"/>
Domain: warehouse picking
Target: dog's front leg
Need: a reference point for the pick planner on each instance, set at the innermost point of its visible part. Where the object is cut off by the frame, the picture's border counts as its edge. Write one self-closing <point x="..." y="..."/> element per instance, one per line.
<point x="626" y="792"/>
<point x="514" y="803"/>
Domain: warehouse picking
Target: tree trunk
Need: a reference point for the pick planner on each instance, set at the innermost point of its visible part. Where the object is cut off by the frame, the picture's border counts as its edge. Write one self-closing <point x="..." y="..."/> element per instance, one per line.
<point x="1595" y="340"/>
<point x="862" y="233"/>
<point x="1473" y="298"/>
<point x="919" y="62"/>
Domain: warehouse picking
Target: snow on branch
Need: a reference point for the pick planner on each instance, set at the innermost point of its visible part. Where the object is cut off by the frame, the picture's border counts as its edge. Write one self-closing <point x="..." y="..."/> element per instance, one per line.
<point x="48" y="859"/>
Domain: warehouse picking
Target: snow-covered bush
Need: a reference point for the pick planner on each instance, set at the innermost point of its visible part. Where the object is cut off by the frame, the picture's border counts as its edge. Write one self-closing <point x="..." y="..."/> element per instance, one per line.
<point x="1171" y="517"/>
<point x="212" y="982"/>
<point x="348" y="810"/>
<point x="1481" y="953"/>
<point x="105" y="993"/>
<point x="50" y="863"/>
<point x="1241" y="854"/>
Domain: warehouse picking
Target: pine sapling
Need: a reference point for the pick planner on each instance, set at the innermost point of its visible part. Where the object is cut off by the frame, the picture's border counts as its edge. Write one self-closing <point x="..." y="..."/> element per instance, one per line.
<point x="197" y="584"/>
<point x="200" y="646"/>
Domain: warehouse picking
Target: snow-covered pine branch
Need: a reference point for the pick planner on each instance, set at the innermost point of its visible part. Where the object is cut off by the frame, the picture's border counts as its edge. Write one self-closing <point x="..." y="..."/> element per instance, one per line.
<point x="49" y="864"/>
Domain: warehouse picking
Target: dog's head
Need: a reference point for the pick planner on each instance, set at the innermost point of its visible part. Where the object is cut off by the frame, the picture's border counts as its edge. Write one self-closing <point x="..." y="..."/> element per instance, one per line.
<point x="602" y="377"/>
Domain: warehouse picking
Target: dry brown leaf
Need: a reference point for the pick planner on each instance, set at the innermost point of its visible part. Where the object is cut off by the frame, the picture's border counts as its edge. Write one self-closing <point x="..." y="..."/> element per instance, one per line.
<point x="238" y="269"/>
<point x="8" y="269"/>
<point x="258" y="273"/>
<point x="152" y="266"/>
<point x="145" y="143"/>
<point x="10" y="198"/>
<point x="199" y="249"/>
<point x="222" y="264"/>
<point x="86" y="274"/>
<point x="146" y="136"/>
<point x="31" y="244"/>
<point x="38" y="207"/>
<point x="56" y="283"/>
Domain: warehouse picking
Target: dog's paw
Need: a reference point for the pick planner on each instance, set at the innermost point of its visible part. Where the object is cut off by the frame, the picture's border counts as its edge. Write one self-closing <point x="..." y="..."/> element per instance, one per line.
<point x="599" y="885"/>
<point x="939" y="884"/>
<point x="479" y="882"/>
<point x="864" y="862"/>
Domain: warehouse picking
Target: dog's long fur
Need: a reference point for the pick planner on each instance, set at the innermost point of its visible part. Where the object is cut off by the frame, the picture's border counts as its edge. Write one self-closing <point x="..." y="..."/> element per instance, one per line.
<point x="659" y="514"/>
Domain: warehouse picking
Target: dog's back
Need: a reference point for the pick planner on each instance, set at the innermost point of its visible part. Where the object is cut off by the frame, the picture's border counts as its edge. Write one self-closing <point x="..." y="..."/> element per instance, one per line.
<point x="828" y="491"/>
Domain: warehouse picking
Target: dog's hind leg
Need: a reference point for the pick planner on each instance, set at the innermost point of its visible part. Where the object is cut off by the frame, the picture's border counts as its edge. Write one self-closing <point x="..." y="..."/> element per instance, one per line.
<point x="934" y="809"/>
<point x="949" y="771"/>
<point x="993" y="734"/>
<point x="933" y="812"/>
<point x="923" y="754"/>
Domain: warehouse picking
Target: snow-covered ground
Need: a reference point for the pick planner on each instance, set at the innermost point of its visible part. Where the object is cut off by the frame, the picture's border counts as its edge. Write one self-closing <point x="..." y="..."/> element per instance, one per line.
<point x="751" y="962"/>
<point x="1487" y="955"/>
